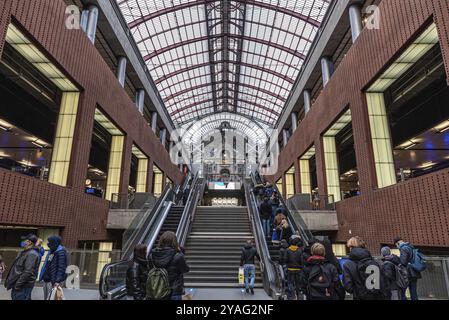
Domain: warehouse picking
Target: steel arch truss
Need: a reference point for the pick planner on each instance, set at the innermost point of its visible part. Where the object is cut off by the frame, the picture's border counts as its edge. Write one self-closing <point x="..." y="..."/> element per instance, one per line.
<point x="219" y="56"/>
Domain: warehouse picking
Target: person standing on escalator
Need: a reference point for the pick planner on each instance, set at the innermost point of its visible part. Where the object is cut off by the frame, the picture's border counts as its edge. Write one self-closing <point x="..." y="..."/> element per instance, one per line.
<point x="265" y="216"/>
<point x="294" y="259"/>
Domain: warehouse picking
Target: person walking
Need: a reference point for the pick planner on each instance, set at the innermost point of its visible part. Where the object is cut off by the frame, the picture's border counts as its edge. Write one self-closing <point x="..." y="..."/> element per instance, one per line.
<point x="53" y="271"/>
<point x="21" y="277"/>
<point x="294" y="259"/>
<point x="40" y="247"/>
<point x="137" y="274"/>
<point x="357" y="270"/>
<point x="169" y="256"/>
<point x="320" y="277"/>
<point x="247" y="261"/>
<point x="265" y="216"/>
<point x="396" y="275"/>
<point x="415" y="263"/>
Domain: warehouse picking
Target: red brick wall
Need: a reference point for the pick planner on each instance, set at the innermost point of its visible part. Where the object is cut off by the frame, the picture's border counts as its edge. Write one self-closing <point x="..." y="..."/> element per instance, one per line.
<point x="418" y="209"/>
<point x="28" y="202"/>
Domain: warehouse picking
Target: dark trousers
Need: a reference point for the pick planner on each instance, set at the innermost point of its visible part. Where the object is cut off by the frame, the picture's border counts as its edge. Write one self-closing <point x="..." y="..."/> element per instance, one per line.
<point x="413" y="287"/>
<point x="294" y="285"/>
<point x="22" y="294"/>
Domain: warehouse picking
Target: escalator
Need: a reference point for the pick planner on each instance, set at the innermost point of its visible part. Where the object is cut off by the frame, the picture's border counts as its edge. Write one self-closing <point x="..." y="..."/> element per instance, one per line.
<point x="166" y="215"/>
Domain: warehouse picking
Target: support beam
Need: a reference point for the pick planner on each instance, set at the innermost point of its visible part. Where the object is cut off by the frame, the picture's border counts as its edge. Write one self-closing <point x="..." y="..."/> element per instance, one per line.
<point x="163" y="136"/>
<point x="327" y="69"/>
<point x="140" y="100"/>
<point x="285" y="137"/>
<point x="154" y="121"/>
<point x="307" y="101"/>
<point x="355" y="18"/>
<point x="121" y="70"/>
<point x="92" y="22"/>
<point x="294" y="121"/>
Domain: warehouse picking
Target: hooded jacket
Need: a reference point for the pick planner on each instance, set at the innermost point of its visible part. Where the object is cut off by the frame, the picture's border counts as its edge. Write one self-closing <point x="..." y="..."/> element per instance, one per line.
<point x="294" y="258"/>
<point x="328" y="269"/>
<point x="24" y="270"/>
<point x="55" y="265"/>
<point x="352" y="280"/>
<point x="389" y="271"/>
<point x="175" y="264"/>
<point x="136" y="278"/>
<point x="249" y="253"/>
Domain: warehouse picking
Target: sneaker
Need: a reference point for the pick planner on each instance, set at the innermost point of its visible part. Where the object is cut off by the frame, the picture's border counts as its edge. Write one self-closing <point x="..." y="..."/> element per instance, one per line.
<point x="252" y="291"/>
<point x="247" y="290"/>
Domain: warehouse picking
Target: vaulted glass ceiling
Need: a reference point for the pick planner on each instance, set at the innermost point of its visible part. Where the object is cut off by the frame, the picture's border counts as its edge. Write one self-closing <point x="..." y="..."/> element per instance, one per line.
<point x="213" y="59"/>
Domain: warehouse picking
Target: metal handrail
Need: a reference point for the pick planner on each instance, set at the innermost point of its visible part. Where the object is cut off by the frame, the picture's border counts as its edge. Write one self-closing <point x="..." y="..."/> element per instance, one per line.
<point x="272" y="272"/>
<point x="185" y="213"/>
<point x="198" y="186"/>
<point x="137" y="234"/>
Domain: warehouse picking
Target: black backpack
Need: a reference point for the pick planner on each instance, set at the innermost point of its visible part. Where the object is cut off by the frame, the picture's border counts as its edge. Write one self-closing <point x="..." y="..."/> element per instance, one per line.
<point x="320" y="284"/>
<point x="369" y="289"/>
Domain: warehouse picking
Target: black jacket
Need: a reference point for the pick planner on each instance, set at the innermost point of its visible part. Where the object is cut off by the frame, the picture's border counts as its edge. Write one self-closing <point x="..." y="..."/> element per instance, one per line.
<point x="329" y="270"/>
<point x="406" y="258"/>
<point x="285" y="233"/>
<point x="249" y="253"/>
<point x="175" y="264"/>
<point x="389" y="264"/>
<point x="352" y="280"/>
<point x="23" y="272"/>
<point x="265" y="210"/>
<point x="136" y="278"/>
<point x="282" y="253"/>
<point x="294" y="258"/>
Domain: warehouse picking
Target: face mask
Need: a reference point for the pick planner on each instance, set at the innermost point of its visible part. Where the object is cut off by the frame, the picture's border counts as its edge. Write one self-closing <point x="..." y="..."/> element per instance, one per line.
<point x="23" y="244"/>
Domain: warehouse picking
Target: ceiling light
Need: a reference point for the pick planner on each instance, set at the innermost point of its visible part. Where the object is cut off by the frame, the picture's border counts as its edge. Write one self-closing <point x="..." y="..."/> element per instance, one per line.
<point x="427" y="165"/>
<point x="5" y="128"/>
<point x="442" y="127"/>
<point x="409" y="144"/>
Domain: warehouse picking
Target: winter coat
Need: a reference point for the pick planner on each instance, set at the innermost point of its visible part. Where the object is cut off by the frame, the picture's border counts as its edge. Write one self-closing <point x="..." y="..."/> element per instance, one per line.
<point x="249" y="253"/>
<point x="55" y="266"/>
<point x="136" y="278"/>
<point x="328" y="269"/>
<point x="24" y="270"/>
<point x="352" y="280"/>
<point x="388" y="270"/>
<point x="283" y="252"/>
<point x="406" y="257"/>
<point x="285" y="233"/>
<point x="294" y="258"/>
<point x="265" y="211"/>
<point x="175" y="264"/>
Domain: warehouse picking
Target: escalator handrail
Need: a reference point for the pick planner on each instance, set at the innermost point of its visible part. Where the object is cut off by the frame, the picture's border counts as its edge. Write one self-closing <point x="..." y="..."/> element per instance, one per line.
<point x="137" y="235"/>
<point x="270" y="268"/>
<point x="187" y="205"/>
<point x="189" y="210"/>
<point x="126" y="255"/>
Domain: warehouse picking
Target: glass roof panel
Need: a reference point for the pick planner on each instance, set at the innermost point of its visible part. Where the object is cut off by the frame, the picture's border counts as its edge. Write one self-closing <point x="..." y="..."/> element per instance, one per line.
<point x="236" y="58"/>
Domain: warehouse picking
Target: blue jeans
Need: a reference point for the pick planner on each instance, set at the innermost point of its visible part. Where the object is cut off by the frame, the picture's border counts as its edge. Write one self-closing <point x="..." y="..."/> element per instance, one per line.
<point x="250" y="275"/>
<point x="177" y="298"/>
<point x="22" y="294"/>
<point x="266" y="225"/>
<point x="413" y="287"/>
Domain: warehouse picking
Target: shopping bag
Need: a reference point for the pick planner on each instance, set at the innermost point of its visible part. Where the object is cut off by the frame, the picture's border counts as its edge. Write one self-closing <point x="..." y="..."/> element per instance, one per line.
<point x="56" y="294"/>
<point x="241" y="276"/>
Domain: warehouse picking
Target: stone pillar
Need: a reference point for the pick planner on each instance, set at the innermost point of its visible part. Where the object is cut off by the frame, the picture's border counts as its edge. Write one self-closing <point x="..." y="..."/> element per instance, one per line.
<point x="294" y="122"/>
<point x="92" y="22"/>
<point x="121" y="70"/>
<point x="307" y="101"/>
<point x="140" y="100"/>
<point x="327" y="69"/>
<point x="154" y="121"/>
<point x="355" y="18"/>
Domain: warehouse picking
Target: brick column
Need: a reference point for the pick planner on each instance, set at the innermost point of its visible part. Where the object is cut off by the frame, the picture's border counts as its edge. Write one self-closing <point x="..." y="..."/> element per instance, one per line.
<point x="297" y="177"/>
<point x="320" y="166"/>
<point x="82" y="140"/>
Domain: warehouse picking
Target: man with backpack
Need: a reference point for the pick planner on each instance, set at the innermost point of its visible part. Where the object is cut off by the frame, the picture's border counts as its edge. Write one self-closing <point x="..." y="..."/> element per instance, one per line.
<point x="412" y="259"/>
<point x="362" y="274"/>
<point x="320" y="277"/>
<point x="396" y="275"/>
<point x="166" y="278"/>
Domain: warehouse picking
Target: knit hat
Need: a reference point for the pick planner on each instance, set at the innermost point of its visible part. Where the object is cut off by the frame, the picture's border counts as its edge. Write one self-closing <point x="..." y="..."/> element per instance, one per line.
<point x="385" y="251"/>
